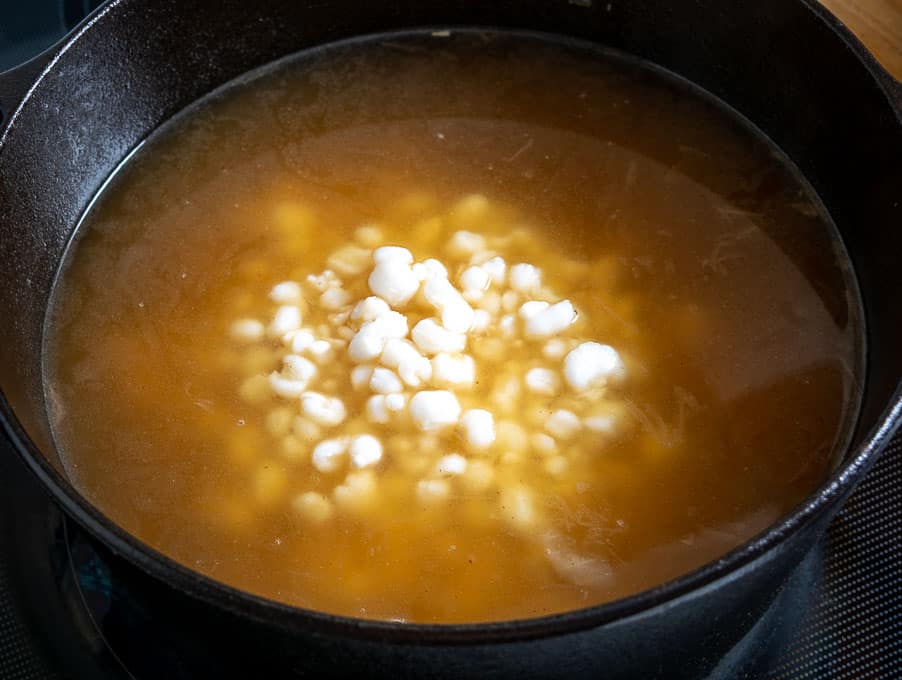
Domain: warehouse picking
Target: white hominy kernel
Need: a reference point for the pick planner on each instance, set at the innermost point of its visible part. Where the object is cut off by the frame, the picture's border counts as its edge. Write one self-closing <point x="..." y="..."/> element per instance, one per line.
<point x="430" y="269"/>
<point x="458" y="317"/>
<point x="556" y="466"/>
<point x="525" y="278"/>
<point x="490" y="349"/>
<point x="394" y="281"/>
<point x="591" y="364"/>
<point x="511" y="436"/>
<point x="412" y="366"/>
<point x="350" y="260"/>
<point x="496" y="268"/>
<point x="509" y="301"/>
<point x="326" y="411"/>
<point x="605" y="417"/>
<point x="395" y="402"/>
<point x="247" y="330"/>
<point x="285" y="293"/>
<point x="480" y="257"/>
<point x="278" y="421"/>
<point x="370" y="308"/>
<point x="506" y="394"/>
<point x="287" y="318"/>
<point x="517" y="507"/>
<point x="392" y="253"/>
<point x="298" y="368"/>
<point x="360" y="376"/>
<point x="286" y="388"/>
<point x="324" y="281"/>
<point x="490" y="302"/>
<point x="320" y="350"/>
<point x="335" y="298"/>
<point x="301" y="340"/>
<point x="306" y="430"/>
<point x="552" y="320"/>
<point x="376" y="409"/>
<point x="475" y="281"/>
<point x="435" y="268"/>
<point x="292" y="449"/>
<point x="511" y="458"/>
<point x="603" y="424"/>
<point x="531" y="308"/>
<point x="542" y="381"/>
<point x="481" y="320"/>
<point x="543" y="444"/>
<point x="555" y="348"/>
<point x="384" y="381"/>
<point x="357" y="492"/>
<point x="440" y="292"/>
<point x="508" y="325"/>
<point x="465" y="243"/>
<point x="368" y="235"/>
<point x="452" y="464"/>
<point x="431" y="338"/>
<point x="449" y="370"/>
<point x="563" y="424"/>
<point x="345" y="333"/>
<point x="392" y="324"/>
<point x="365" y="450"/>
<point x="255" y="389"/>
<point x="340" y="318"/>
<point x="427" y="443"/>
<point x="479" y="428"/>
<point x="432" y="490"/>
<point x="434" y="409"/>
<point x="415" y="372"/>
<point x="478" y="476"/>
<point x="471" y="206"/>
<point x="313" y="506"/>
<point x="369" y="341"/>
<point x="327" y="455"/>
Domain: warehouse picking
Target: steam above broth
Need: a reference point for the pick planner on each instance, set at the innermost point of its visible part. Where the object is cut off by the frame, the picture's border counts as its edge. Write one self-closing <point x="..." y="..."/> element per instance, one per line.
<point x="460" y="328"/>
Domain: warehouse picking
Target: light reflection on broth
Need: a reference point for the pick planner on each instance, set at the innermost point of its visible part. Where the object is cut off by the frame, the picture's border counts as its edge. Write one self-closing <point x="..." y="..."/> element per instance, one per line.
<point x="681" y="238"/>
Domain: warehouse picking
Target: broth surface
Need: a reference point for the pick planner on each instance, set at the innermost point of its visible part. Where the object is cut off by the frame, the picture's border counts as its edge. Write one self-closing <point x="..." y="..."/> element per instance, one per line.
<point x="681" y="237"/>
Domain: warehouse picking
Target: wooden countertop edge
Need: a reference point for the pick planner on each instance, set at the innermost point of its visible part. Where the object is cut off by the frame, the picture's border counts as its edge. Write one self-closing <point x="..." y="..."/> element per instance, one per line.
<point x="878" y="24"/>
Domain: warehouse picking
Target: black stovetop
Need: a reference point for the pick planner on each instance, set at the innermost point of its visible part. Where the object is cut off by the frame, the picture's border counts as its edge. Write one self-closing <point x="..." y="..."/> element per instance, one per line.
<point x="840" y="616"/>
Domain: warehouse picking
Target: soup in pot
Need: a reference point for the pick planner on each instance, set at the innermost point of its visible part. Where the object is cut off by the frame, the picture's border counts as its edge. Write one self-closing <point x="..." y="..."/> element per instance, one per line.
<point x="452" y="327"/>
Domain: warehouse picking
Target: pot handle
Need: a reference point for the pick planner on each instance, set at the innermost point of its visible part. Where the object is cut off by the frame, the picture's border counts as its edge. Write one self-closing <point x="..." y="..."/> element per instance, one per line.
<point x="15" y="83"/>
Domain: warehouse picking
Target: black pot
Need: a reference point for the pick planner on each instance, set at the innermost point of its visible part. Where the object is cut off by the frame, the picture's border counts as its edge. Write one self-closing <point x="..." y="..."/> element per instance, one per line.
<point x="73" y="114"/>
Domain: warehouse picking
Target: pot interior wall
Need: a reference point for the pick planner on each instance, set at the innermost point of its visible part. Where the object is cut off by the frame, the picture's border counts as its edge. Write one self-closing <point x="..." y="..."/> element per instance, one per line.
<point x="140" y="63"/>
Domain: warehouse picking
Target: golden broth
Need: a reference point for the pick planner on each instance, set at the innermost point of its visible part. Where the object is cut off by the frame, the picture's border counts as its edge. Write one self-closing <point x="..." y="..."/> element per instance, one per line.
<point x="679" y="235"/>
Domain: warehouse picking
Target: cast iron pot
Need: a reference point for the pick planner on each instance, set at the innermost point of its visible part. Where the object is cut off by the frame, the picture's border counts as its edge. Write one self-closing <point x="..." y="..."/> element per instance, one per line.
<point x="74" y="113"/>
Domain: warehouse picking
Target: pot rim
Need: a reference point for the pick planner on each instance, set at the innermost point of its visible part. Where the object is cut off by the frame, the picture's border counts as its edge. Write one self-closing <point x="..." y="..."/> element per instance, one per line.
<point x="238" y="602"/>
